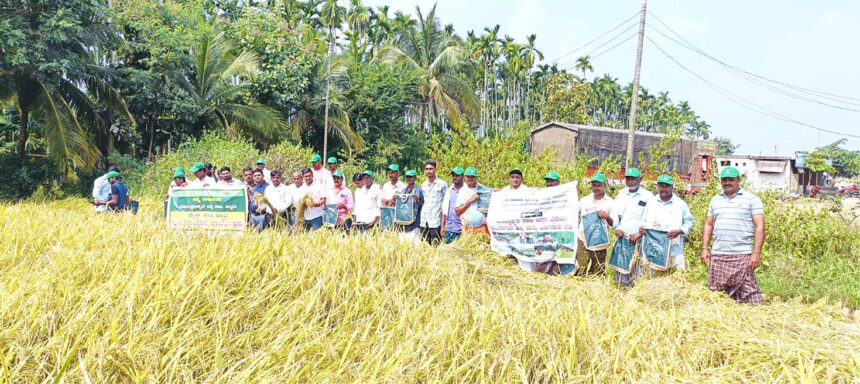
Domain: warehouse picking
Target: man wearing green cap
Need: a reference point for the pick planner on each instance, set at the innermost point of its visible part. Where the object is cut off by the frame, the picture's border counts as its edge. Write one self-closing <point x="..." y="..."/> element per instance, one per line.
<point x="411" y="232"/>
<point x="594" y="262"/>
<point x="474" y="217"/>
<point x="434" y="190"/>
<point x="118" y="193"/>
<point x="631" y="202"/>
<point x="667" y="212"/>
<point x="455" y="204"/>
<point x="200" y="179"/>
<point x="267" y="174"/>
<point x="178" y="180"/>
<point x="392" y="187"/>
<point x="367" y="202"/>
<point x="515" y="181"/>
<point x="322" y="176"/>
<point x="342" y="197"/>
<point x="552" y="179"/>
<point x="736" y="221"/>
<point x="332" y="164"/>
<point x="101" y="190"/>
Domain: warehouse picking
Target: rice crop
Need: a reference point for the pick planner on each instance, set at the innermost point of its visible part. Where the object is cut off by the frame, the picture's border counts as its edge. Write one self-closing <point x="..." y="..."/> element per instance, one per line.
<point x="119" y="298"/>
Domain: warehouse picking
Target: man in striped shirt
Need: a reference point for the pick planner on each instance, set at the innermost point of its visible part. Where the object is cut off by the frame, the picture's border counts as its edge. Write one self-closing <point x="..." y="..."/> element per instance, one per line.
<point x="736" y="220"/>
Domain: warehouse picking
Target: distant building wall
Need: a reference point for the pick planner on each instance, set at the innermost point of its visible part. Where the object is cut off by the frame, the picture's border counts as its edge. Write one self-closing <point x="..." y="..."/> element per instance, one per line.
<point x="761" y="172"/>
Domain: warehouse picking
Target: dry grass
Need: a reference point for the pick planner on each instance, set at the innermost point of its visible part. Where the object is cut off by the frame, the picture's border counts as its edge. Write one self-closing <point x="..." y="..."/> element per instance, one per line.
<point x="87" y="298"/>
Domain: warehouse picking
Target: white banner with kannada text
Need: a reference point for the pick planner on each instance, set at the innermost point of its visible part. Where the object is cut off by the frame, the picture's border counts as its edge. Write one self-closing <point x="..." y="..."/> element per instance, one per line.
<point x="537" y="225"/>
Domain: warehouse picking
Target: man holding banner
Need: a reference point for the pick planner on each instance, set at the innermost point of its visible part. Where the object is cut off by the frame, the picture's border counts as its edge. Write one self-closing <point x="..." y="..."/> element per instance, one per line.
<point x="668" y="213"/>
<point x="631" y="203"/>
<point x="597" y="215"/>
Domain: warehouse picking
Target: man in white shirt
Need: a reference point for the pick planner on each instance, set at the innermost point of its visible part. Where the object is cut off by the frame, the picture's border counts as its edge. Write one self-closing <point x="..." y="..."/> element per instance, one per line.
<point x="594" y="262"/>
<point x="515" y="181"/>
<point x="279" y="197"/>
<point x="200" y="179"/>
<point x="267" y="174"/>
<point x="226" y="178"/>
<point x="313" y="213"/>
<point x="630" y="203"/>
<point x="434" y="190"/>
<point x="392" y="187"/>
<point x="101" y="190"/>
<point x="294" y="193"/>
<point x="322" y="176"/>
<point x="668" y="212"/>
<point x="367" y="203"/>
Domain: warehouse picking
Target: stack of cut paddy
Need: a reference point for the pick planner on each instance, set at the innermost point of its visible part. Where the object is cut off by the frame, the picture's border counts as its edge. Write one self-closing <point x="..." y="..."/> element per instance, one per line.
<point x="122" y="299"/>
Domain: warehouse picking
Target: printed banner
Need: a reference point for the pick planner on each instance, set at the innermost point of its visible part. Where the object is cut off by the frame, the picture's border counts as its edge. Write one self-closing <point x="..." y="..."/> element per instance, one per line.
<point x="535" y="226"/>
<point x="220" y="209"/>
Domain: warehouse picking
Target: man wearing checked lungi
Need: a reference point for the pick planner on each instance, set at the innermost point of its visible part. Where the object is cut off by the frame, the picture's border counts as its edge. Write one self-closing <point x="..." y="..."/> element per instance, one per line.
<point x="736" y="220"/>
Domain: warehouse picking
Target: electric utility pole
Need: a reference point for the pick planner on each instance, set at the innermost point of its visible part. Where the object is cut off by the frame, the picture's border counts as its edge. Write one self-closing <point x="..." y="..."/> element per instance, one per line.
<point x="634" y="99"/>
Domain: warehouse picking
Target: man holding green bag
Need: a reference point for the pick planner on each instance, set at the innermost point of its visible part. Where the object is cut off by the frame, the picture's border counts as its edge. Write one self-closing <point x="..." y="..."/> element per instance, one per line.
<point x="631" y="203"/>
<point x="592" y="258"/>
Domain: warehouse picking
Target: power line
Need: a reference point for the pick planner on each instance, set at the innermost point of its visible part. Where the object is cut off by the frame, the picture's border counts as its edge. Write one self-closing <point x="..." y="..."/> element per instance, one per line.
<point x="606" y="50"/>
<point x="750" y="76"/>
<point x="569" y="62"/>
<point x="732" y="96"/>
<point x="596" y="39"/>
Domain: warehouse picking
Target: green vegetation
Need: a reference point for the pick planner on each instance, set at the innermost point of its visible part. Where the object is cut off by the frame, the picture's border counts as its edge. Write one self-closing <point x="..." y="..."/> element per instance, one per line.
<point x="88" y="81"/>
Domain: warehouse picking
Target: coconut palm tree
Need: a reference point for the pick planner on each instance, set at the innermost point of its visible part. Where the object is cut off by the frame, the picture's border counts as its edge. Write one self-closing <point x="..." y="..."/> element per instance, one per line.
<point x="60" y="84"/>
<point x="438" y="56"/>
<point x="583" y="63"/>
<point x="220" y="85"/>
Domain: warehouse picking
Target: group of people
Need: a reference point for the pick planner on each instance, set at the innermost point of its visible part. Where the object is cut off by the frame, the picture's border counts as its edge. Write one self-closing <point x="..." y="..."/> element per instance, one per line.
<point x="443" y="212"/>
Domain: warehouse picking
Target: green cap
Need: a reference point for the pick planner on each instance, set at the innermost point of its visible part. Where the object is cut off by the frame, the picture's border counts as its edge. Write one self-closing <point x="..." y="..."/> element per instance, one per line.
<point x="332" y="160"/>
<point x="632" y="172"/>
<point x="316" y="158"/>
<point x="368" y="172"/>
<point x="729" y="172"/>
<point x="411" y="173"/>
<point x="515" y="171"/>
<point x="180" y="172"/>
<point x="393" y="167"/>
<point x="665" y="179"/>
<point x="197" y="167"/>
<point x="471" y="171"/>
<point x="337" y="173"/>
<point x="111" y="174"/>
<point x="552" y="175"/>
<point x="598" y="177"/>
<point x="457" y="171"/>
<point x="261" y="161"/>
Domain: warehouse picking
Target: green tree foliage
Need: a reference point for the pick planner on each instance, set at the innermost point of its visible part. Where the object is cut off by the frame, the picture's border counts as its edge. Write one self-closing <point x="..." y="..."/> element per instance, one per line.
<point x="849" y="160"/>
<point x="93" y="79"/>
<point x="220" y="89"/>
<point x="52" y="64"/>
<point x="725" y="146"/>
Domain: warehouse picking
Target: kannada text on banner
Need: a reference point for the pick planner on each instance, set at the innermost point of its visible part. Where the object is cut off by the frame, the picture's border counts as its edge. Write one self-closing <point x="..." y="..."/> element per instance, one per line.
<point x="220" y="209"/>
<point x="537" y="225"/>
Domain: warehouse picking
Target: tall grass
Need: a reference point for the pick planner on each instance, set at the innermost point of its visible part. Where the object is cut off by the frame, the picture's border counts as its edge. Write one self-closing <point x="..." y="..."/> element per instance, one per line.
<point x="117" y="298"/>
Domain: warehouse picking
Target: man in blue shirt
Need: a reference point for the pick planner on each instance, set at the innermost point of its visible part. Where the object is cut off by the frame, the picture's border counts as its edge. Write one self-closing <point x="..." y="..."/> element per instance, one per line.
<point x="118" y="193"/>
<point x="259" y="215"/>
<point x="452" y="227"/>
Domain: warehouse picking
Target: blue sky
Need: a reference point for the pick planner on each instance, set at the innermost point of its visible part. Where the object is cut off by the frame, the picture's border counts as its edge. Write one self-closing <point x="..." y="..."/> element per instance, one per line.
<point x="811" y="44"/>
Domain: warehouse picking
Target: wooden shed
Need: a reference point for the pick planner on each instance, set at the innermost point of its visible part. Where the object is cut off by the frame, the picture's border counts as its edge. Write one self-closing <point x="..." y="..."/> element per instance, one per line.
<point x="571" y="140"/>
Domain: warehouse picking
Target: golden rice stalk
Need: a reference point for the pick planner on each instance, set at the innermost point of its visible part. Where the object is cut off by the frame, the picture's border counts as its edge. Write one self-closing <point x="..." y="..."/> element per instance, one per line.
<point x="122" y="299"/>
